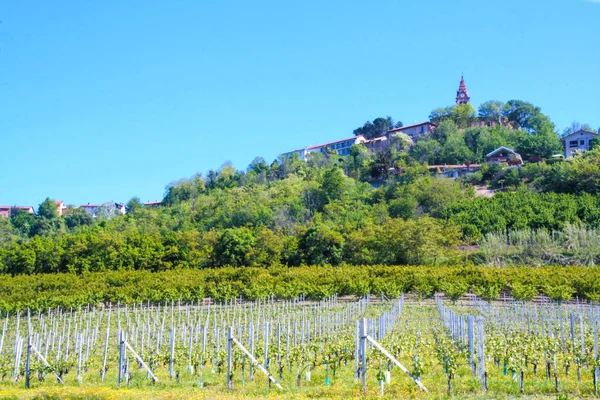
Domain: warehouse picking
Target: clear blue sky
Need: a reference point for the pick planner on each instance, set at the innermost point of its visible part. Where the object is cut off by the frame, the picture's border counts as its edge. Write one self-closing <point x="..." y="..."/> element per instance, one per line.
<point x="107" y="100"/>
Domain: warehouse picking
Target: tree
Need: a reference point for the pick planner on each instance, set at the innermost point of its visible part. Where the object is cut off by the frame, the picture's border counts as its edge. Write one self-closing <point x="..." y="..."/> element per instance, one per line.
<point x="48" y="209"/>
<point x="440" y="114"/>
<point x="521" y="113"/>
<point x="463" y="115"/>
<point x="491" y="110"/>
<point x="134" y="204"/>
<point x="78" y="217"/>
<point x="400" y="141"/>
<point x="333" y="184"/>
<point x="321" y="245"/>
<point x="455" y="150"/>
<point x="22" y="221"/>
<point x="234" y="247"/>
<point x="381" y="164"/>
<point x="107" y="210"/>
<point x="378" y="127"/>
<point x="444" y="130"/>
<point x="428" y="151"/>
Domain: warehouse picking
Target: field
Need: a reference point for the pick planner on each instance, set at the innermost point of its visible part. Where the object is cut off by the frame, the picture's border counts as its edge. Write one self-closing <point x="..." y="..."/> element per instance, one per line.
<point x="304" y="349"/>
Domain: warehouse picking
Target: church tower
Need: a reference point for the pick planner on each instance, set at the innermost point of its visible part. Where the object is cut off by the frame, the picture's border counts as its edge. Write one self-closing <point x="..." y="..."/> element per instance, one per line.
<point x="462" y="95"/>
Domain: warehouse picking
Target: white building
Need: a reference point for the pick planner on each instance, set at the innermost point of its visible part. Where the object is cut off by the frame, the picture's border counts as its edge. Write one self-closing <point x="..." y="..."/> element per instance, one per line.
<point x="578" y="142"/>
<point x="339" y="147"/>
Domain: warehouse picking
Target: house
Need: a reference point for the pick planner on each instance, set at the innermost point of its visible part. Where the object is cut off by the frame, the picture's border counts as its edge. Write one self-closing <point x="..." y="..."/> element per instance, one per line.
<point x="60" y="207"/>
<point x="27" y="209"/>
<point x="414" y="130"/>
<point x="339" y="147"/>
<point x="5" y="211"/>
<point x="90" y="209"/>
<point x="578" y="142"/>
<point x="504" y="155"/>
<point x="121" y="208"/>
<point x="453" y="171"/>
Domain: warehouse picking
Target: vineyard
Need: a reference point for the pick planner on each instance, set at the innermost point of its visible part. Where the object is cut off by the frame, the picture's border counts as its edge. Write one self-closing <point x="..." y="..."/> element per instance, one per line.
<point x="371" y="346"/>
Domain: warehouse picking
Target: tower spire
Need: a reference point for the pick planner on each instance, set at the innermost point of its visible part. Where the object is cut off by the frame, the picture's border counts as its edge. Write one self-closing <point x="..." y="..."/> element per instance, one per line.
<point x="462" y="95"/>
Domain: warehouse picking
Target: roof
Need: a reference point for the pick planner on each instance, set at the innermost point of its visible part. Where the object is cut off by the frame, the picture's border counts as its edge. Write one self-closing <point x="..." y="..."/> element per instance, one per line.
<point x="152" y="203"/>
<point x="454" y="166"/>
<point x="90" y="205"/>
<point x="59" y="202"/>
<point x="23" y="207"/>
<point x="377" y="139"/>
<point x="501" y="148"/>
<point x="580" y="132"/>
<point x="4" y="207"/>
<point x="337" y="141"/>
<point x="411" y="126"/>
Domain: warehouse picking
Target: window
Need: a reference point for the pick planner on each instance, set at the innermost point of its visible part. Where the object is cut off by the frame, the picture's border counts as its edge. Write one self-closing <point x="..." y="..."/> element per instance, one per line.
<point x="582" y="142"/>
<point x="573" y="143"/>
<point x="422" y="129"/>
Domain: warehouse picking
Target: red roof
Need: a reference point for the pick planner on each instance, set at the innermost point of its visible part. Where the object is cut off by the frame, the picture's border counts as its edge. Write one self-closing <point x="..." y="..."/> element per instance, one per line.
<point x="412" y="126"/>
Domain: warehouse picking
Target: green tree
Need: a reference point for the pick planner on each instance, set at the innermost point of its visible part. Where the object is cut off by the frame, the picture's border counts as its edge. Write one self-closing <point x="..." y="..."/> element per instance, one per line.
<point x="22" y="221"/>
<point x="234" y="247"/>
<point x="491" y="110"/>
<point x="378" y="127"/>
<point x="321" y="245"/>
<point x="48" y="209"/>
<point x="333" y="184"/>
<point x="133" y="205"/>
<point x="78" y="217"/>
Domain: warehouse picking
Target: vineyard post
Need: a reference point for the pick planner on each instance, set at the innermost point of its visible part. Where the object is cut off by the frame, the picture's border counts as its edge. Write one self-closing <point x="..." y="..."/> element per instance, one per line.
<point x="266" y="347"/>
<point x="28" y="363"/>
<point x="172" y="352"/>
<point x="229" y="343"/>
<point x="481" y="351"/>
<point x="596" y="367"/>
<point x="120" y="364"/>
<point x="363" y="353"/>
<point x="251" y="338"/>
<point x="357" y="351"/>
<point x="470" y="320"/>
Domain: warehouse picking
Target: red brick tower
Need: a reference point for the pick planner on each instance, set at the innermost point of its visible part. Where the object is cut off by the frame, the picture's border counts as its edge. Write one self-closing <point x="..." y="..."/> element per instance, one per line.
<point x="462" y="95"/>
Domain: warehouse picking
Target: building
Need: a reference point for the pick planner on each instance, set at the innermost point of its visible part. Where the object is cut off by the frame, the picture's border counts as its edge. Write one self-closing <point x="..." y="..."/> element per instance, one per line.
<point x="90" y="209"/>
<point x="578" y="142"/>
<point x="504" y="155"/>
<point x="339" y="147"/>
<point x="152" y="203"/>
<point x="462" y="94"/>
<point x="414" y="130"/>
<point x="27" y="209"/>
<point x="453" y="171"/>
<point x="121" y="208"/>
<point x="60" y="207"/>
<point x="5" y="211"/>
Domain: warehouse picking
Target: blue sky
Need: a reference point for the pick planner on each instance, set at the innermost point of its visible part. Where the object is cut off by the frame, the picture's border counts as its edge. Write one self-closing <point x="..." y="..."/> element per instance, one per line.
<point x="108" y="100"/>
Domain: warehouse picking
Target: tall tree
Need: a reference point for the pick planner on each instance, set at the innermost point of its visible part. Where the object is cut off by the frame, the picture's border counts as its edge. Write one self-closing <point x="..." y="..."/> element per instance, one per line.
<point x="491" y="110"/>
<point x="48" y="209"/>
<point x="378" y="127"/>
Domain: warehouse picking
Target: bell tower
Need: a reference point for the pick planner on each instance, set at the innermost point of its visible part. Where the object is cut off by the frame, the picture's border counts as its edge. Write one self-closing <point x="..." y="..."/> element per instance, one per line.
<point x="462" y="95"/>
